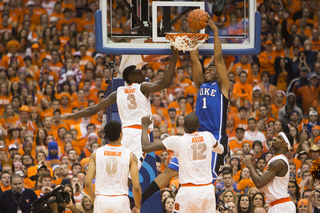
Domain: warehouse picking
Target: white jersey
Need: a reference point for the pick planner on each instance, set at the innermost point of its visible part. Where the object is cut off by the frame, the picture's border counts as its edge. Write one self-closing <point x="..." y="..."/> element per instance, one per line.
<point x="194" y="153"/>
<point x="132" y="105"/>
<point x="112" y="170"/>
<point x="254" y="136"/>
<point x="278" y="187"/>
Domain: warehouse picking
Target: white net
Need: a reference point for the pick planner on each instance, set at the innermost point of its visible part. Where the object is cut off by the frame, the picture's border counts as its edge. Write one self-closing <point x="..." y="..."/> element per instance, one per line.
<point x="186" y="42"/>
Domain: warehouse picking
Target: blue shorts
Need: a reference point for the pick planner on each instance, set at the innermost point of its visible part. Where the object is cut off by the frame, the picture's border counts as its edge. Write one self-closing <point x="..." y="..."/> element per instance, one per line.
<point x="217" y="163"/>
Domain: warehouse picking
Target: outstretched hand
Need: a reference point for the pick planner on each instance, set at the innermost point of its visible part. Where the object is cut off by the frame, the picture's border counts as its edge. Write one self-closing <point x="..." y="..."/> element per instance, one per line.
<point x="247" y="161"/>
<point x="146" y="120"/>
<point x="211" y="23"/>
<point x="175" y="52"/>
<point x="59" y="117"/>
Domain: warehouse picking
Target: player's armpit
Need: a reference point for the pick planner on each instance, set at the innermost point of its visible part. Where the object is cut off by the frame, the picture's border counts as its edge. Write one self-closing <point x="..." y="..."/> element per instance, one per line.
<point x="274" y="168"/>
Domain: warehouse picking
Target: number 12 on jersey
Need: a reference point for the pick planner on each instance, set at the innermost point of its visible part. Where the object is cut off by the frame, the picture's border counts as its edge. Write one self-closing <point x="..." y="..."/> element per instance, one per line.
<point x="198" y="150"/>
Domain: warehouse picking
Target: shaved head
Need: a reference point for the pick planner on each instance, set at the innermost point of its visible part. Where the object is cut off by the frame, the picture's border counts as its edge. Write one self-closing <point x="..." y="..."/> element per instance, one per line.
<point x="192" y="123"/>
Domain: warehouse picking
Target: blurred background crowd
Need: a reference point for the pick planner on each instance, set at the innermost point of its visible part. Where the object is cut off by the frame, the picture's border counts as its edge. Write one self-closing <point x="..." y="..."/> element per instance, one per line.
<point x="49" y="67"/>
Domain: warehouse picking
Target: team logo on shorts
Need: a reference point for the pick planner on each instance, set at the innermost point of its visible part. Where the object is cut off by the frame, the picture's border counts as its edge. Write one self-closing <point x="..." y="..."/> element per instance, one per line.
<point x="176" y="206"/>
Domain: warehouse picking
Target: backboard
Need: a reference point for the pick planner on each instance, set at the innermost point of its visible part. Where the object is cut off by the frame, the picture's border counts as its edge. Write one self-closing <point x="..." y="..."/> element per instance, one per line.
<point x="139" y="27"/>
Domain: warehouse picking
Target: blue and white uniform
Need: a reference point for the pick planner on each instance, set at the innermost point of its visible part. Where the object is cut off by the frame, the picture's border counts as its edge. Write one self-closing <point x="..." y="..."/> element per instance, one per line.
<point x="211" y="109"/>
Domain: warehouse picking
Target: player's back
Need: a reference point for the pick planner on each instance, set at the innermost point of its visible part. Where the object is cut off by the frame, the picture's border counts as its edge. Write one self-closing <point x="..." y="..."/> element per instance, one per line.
<point x="211" y="109"/>
<point x="195" y="158"/>
<point x="112" y="170"/>
<point x="132" y="104"/>
<point x="278" y="187"/>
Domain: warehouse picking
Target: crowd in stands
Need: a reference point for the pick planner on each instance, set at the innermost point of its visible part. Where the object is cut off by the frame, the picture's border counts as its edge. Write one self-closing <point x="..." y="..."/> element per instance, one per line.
<point x="49" y="66"/>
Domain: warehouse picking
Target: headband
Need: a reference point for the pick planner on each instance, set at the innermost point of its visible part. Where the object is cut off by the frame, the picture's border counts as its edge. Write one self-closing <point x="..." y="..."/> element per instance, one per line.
<point x="285" y="139"/>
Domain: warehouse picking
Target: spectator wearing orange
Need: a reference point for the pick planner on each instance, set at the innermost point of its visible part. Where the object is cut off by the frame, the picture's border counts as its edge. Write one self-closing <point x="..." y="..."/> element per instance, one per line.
<point x="12" y="46"/>
<point x="4" y="97"/>
<point x="244" y="64"/>
<point x="97" y="121"/>
<point x="241" y="121"/>
<point x="315" y="40"/>
<point x="255" y="77"/>
<point x="81" y="103"/>
<point x="308" y="93"/>
<point x="56" y="125"/>
<point x="65" y="102"/>
<point x="243" y="89"/>
<point x="87" y="24"/>
<point x="87" y="89"/>
<point x="282" y="75"/>
<point x="182" y="107"/>
<point x="67" y="138"/>
<point x="57" y="12"/>
<point x="34" y="18"/>
<point x="236" y="144"/>
<point x="156" y="108"/>
<point x="264" y="114"/>
<point x="266" y="60"/>
<point x="5" y="26"/>
<point x="24" y="120"/>
<point x="67" y="19"/>
<point x="55" y="64"/>
<point x="266" y="87"/>
<point x="181" y="80"/>
<point x="279" y="49"/>
<point x="47" y="124"/>
<point x="85" y="59"/>
<point x="278" y="104"/>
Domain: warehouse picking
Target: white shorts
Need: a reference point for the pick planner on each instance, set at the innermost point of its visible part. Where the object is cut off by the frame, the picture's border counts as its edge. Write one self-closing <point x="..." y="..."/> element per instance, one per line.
<point x="108" y="204"/>
<point x="195" y="199"/>
<point x="132" y="140"/>
<point x="287" y="207"/>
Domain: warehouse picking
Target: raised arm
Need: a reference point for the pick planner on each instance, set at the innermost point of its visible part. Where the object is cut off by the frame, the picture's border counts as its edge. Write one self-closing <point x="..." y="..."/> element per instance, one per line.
<point x="89" y="177"/>
<point x="147" y="88"/>
<point x="145" y="142"/>
<point x="196" y="67"/>
<point x="269" y="175"/>
<point x="219" y="61"/>
<point x="136" y="189"/>
<point x="90" y="111"/>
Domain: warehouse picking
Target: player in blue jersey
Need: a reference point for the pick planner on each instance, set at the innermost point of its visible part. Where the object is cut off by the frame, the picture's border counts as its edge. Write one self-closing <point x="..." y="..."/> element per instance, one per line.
<point x="211" y="108"/>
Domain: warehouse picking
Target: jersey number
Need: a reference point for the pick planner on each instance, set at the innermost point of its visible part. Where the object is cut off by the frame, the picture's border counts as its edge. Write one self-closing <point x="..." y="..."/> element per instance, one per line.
<point x="133" y="103"/>
<point x="111" y="166"/>
<point x="204" y="103"/>
<point x="199" y="155"/>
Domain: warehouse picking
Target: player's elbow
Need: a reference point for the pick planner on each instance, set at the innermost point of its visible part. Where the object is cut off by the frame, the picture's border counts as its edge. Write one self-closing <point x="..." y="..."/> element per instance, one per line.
<point x="145" y="149"/>
<point x="136" y="188"/>
<point x="87" y="182"/>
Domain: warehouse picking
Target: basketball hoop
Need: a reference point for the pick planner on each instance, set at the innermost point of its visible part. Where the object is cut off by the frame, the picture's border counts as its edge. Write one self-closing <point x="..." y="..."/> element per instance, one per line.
<point x="186" y="41"/>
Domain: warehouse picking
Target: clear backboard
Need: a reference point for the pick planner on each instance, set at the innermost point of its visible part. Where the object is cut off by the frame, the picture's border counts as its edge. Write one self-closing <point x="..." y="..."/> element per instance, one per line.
<point x="140" y="28"/>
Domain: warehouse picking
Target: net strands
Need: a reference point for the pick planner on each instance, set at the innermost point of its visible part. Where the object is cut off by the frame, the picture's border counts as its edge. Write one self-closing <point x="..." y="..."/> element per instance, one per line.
<point x="186" y="41"/>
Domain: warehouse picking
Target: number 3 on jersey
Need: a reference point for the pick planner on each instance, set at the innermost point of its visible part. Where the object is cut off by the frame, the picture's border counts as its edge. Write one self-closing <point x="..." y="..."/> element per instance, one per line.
<point x="111" y="166"/>
<point x="202" y="147"/>
<point x="133" y="104"/>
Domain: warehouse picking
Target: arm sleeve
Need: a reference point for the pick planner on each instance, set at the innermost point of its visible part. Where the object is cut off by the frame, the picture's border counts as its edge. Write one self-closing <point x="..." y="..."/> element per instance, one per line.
<point x="172" y="143"/>
<point x="219" y="149"/>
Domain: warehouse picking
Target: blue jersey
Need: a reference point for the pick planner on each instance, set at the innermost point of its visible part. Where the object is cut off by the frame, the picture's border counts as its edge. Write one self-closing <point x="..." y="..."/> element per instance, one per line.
<point x="211" y="109"/>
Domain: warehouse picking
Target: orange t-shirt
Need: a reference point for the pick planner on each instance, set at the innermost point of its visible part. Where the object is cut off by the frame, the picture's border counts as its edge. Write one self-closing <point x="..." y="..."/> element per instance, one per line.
<point x="236" y="145"/>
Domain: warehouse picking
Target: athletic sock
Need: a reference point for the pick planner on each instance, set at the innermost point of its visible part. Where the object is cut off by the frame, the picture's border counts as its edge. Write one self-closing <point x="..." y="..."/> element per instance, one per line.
<point x="152" y="188"/>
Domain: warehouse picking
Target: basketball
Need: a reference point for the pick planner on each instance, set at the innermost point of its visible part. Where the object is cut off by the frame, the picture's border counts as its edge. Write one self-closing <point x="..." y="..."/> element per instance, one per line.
<point x="197" y="20"/>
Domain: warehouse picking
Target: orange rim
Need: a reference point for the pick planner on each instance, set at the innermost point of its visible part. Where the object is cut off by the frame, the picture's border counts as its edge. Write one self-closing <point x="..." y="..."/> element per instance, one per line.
<point x="195" y="36"/>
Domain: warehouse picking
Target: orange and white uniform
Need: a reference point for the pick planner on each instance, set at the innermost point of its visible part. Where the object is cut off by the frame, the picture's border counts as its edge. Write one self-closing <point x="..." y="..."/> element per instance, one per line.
<point x="194" y="153"/>
<point x="112" y="171"/>
<point x="276" y="191"/>
<point x="132" y="106"/>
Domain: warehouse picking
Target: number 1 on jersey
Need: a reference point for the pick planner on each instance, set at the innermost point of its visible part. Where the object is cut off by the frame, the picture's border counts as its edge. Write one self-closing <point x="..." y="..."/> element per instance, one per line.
<point x="204" y="103"/>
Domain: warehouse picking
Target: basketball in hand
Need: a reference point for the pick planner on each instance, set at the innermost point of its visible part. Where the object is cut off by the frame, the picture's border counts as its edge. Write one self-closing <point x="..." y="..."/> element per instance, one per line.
<point x="197" y="20"/>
